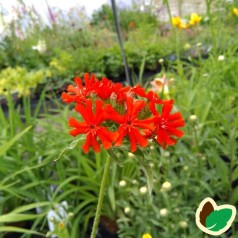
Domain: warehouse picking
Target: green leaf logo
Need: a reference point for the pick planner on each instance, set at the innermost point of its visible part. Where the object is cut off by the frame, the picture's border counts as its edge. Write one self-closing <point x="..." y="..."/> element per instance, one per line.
<point x="212" y="219"/>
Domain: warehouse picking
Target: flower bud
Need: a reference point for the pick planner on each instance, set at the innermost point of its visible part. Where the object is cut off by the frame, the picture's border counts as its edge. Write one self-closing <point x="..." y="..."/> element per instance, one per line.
<point x="163" y="212"/>
<point x="143" y="190"/>
<point x="185" y="168"/>
<point x="221" y="57"/>
<point x="127" y="210"/>
<point x="122" y="183"/>
<point x="193" y="118"/>
<point x="161" y="61"/>
<point x="166" y="186"/>
<point x="131" y="155"/>
<point x="183" y="224"/>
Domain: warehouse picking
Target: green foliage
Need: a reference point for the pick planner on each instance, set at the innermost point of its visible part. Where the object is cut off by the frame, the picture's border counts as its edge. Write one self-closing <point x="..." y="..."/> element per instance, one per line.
<point x="203" y="164"/>
<point x="18" y="80"/>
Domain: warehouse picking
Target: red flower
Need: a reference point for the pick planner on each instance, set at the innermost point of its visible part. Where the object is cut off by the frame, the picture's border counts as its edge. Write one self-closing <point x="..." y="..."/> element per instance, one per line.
<point x="79" y="93"/>
<point x="107" y="89"/>
<point x="92" y="126"/>
<point x="166" y="125"/>
<point x="104" y="89"/>
<point x="130" y="124"/>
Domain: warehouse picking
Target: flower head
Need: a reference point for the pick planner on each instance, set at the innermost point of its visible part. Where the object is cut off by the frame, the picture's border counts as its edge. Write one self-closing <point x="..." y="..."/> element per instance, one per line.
<point x="127" y="210"/>
<point x="122" y="183"/>
<point x="143" y="190"/>
<point x="146" y="235"/>
<point x="194" y="19"/>
<point x="80" y="93"/>
<point x="183" y="224"/>
<point x="193" y="118"/>
<point x="92" y="126"/>
<point x="179" y="23"/>
<point x="163" y="212"/>
<point x="161" y="84"/>
<point x="166" y="125"/>
<point x="130" y="124"/>
<point x="40" y="47"/>
<point x="235" y="11"/>
<point x="221" y="57"/>
<point x="166" y="186"/>
<point x="112" y="114"/>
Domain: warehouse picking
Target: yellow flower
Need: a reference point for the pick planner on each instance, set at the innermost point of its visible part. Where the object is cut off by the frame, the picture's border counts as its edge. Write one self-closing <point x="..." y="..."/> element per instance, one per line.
<point x="235" y="11"/>
<point x="61" y="225"/>
<point x="147" y="235"/>
<point x="178" y="22"/>
<point x="194" y="19"/>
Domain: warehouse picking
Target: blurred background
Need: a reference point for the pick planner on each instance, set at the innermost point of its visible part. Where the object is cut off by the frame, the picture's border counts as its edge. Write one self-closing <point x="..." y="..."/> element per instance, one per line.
<point x="184" y="50"/>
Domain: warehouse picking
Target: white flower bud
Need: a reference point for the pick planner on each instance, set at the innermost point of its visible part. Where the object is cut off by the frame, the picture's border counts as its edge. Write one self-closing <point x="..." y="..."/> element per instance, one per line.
<point x="185" y="168"/>
<point x="134" y="181"/>
<point x="183" y="224"/>
<point x="143" y="190"/>
<point x="127" y="210"/>
<point x="166" y="186"/>
<point x="193" y="118"/>
<point x="163" y="212"/>
<point x="161" y="60"/>
<point x="122" y="183"/>
<point x="199" y="44"/>
<point x="131" y="155"/>
<point x="221" y="57"/>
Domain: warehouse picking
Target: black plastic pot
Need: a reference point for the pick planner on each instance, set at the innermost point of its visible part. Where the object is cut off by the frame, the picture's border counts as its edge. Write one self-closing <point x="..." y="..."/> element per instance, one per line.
<point x="107" y="228"/>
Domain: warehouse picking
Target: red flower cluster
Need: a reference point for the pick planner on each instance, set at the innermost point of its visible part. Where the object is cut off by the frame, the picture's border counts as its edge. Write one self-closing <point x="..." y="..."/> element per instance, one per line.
<point x="112" y="113"/>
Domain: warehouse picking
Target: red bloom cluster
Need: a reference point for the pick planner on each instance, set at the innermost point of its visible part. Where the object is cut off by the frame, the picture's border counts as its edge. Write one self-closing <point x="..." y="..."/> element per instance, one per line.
<point x="112" y="113"/>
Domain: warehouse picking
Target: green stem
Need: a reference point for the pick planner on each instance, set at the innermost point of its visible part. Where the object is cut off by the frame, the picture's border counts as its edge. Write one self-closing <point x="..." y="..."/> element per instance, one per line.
<point x="179" y="64"/>
<point x="100" y="198"/>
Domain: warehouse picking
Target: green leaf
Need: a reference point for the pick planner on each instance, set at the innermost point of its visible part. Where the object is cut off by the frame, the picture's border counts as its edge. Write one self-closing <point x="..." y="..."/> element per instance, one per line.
<point x="149" y="176"/>
<point x="218" y="219"/>
<point x="114" y="157"/>
<point x="234" y="196"/>
<point x="20" y="230"/>
<point x="6" y="146"/>
<point x="70" y="147"/>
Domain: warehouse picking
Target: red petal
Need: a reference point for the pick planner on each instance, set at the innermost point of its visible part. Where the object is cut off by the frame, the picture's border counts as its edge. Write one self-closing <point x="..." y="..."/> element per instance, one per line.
<point x="82" y="127"/>
<point x="122" y="132"/>
<point x="87" y="143"/>
<point x="72" y="89"/>
<point x="137" y="107"/>
<point x="99" y="114"/>
<point x="145" y="124"/>
<point x="95" y="144"/>
<point x="86" y="112"/>
<point x="139" y="138"/>
<point x="166" y="109"/>
<point x="67" y="98"/>
<point x="175" y="131"/>
<point x="176" y="116"/>
<point x="74" y="132"/>
<point x="107" y="137"/>
<point x="179" y="123"/>
<point x="132" y="140"/>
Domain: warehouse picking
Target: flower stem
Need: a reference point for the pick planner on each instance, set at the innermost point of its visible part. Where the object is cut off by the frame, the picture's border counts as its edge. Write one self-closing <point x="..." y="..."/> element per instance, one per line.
<point x="100" y="198"/>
